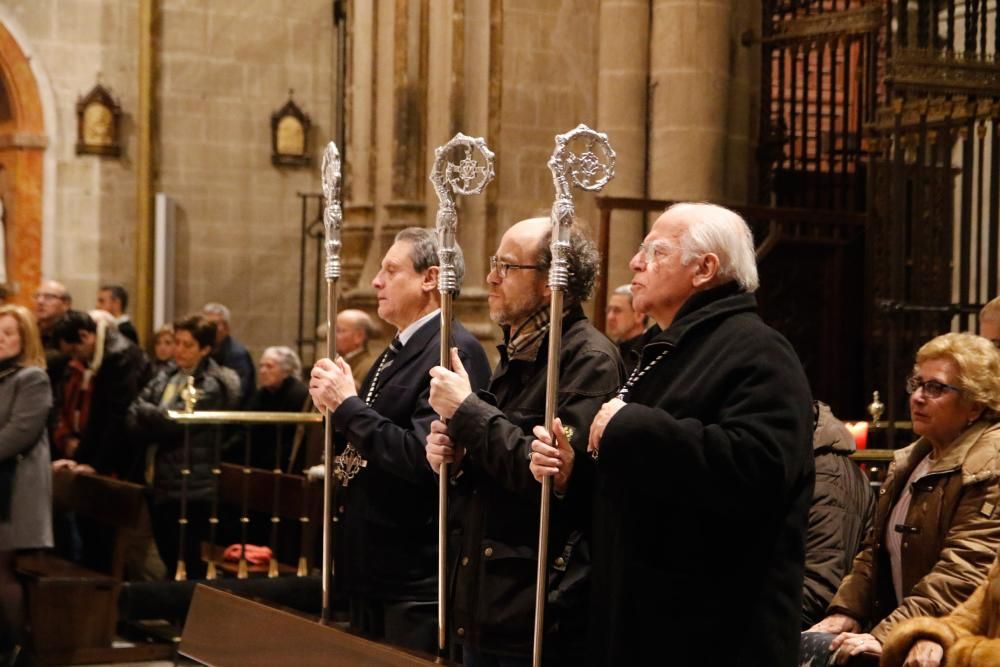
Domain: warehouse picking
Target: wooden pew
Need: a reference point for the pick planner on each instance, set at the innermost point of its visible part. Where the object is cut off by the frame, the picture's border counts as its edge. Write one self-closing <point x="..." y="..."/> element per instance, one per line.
<point x="72" y="610"/>
<point x="299" y="501"/>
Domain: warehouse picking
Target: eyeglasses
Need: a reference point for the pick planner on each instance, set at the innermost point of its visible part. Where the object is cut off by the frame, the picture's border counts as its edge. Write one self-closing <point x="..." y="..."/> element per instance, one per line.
<point x="48" y="296"/>
<point x="501" y="268"/>
<point x="652" y="249"/>
<point x="932" y="388"/>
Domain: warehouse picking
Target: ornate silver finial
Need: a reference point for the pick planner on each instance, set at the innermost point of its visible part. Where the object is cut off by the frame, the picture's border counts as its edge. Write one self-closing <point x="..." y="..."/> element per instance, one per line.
<point x="333" y="215"/>
<point x="468" y="175"/>
<point x="190" y="395"/>
<point x="582" y="158"/>
<point x="876" y="408"/>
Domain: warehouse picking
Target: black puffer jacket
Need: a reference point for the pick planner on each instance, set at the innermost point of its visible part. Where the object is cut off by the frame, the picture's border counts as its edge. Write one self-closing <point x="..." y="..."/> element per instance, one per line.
<point x="840" y="516"/>
<point x="148" y="423"/>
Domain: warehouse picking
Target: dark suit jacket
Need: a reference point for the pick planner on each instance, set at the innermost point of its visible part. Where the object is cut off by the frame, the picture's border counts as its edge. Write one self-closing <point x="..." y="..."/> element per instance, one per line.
<point x="388" y="540"/>
<point x="104" y="441"/>
<point x="231" y="354"/>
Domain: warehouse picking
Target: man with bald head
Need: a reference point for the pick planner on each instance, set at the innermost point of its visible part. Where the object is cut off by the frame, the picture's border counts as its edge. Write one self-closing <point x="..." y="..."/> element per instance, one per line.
<point x="704" y="464"/>
<point x="487" y="438"/>
<point x="52" y="301"/>
<point x="354" y="328"/>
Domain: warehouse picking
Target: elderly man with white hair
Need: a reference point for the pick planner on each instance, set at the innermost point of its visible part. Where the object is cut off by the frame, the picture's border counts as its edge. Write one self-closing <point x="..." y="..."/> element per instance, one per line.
<point x="704" y="464"/>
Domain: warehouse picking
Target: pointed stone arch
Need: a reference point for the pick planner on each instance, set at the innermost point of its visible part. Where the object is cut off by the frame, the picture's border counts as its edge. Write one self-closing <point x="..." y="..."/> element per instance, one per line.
<point x="22" y="149"/>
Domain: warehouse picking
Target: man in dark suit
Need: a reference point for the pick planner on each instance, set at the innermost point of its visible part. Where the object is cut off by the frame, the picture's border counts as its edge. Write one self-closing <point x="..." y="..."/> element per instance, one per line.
<point x="231" y="353"/>
<point x="114" y="299"/>
<point x="387" y="553"/>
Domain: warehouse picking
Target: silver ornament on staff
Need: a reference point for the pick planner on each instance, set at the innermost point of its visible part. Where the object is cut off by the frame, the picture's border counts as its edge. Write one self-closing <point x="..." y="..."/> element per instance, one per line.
<point x="332" y="220"/>
<point x="463" y="166"/>
<point x="583" y="158"/>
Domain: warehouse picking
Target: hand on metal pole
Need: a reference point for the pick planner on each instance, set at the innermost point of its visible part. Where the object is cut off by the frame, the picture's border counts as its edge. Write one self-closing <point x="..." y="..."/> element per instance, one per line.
<point x="462" y="166"/>
<point x="584" y="159"/>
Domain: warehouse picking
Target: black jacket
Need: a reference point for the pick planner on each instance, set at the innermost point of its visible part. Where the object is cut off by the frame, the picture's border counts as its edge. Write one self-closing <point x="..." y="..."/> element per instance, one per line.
<point x="840" y="516"/>
<point x="231" y="354"/>
<point x="149" y="425"/>
<point x="704" y="485"/>
<point x="388" y="538"/>
<point x="104" y="441"/>
<point x="496" y="510"/>
<point x="290" y="396"/>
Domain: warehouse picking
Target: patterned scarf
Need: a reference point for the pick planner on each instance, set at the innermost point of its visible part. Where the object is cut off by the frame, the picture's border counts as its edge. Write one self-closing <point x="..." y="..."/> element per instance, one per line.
<point x="524" y="343"/>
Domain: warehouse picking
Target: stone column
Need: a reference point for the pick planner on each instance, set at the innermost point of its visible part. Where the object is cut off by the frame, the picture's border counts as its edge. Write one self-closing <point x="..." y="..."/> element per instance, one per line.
<point x="621" y="113"/>
<point x="692" y="47"/>
<point x="359" y="168"/>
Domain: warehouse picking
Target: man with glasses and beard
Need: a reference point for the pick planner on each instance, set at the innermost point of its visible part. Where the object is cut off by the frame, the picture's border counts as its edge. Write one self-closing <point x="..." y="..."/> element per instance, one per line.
<point x="487" y="438"/>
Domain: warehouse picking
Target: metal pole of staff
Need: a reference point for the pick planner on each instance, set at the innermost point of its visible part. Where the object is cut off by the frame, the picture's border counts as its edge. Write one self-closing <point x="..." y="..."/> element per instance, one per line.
<point x="332" y="220"/>
<point x="468" y="176"/>
<point x="589" y="169"/>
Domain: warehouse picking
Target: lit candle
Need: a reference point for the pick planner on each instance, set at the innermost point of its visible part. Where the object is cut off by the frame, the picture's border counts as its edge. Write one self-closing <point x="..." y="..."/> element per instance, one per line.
<point x="860" y="432"/>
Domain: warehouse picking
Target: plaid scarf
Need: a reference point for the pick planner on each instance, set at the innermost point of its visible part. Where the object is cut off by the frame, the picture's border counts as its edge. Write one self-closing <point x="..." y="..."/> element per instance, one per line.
<point x="524" y="343"/>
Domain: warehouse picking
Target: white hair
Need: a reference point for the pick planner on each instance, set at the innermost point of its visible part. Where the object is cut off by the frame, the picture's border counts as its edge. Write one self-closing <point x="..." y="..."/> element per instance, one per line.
<point x="216" y="309"/>
<point x="286" y="358"/>
<point x="624" y="290"/>
<point x="717" y="230"/>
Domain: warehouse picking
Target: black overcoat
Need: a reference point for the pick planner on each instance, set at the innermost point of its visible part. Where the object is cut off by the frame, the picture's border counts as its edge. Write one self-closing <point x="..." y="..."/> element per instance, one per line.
<point x="703" y="488"/>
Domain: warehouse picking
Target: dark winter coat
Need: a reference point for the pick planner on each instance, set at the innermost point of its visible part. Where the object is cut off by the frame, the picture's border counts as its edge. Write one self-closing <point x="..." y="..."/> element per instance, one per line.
<point x="839" y="518"/>
<point x="387" y="545"/>
<point x="704" y="485"/>
<point x="497" y="499"/>
<point x="104" y="441"/>
<point x="232" y="354"/>
<point x="148" y="423"/>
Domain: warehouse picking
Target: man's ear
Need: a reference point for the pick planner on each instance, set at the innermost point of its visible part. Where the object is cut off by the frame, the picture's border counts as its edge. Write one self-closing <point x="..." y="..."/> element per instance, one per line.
<point x="430" y="282"/>
<point x="706" y="270"/>
<point x="86" y="336"/>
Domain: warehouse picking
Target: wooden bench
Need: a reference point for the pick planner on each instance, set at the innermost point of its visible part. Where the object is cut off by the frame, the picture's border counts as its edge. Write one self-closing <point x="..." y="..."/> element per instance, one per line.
<point x="73" y="610"/>
<point x="298" y="502"/>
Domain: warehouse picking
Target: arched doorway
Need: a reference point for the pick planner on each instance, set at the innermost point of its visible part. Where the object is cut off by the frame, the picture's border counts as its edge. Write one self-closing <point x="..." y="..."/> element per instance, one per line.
<point x="22" y="148"/>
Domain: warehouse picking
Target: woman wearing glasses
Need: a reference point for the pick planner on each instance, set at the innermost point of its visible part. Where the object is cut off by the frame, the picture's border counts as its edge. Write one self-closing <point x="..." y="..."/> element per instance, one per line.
<point x="937" y="523"/>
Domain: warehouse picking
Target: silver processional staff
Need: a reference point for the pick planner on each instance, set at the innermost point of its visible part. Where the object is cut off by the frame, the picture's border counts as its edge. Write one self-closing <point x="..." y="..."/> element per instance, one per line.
<point x="582" y="158"/>
<point x="332" y="220"/>
<point x="463" y="166"/>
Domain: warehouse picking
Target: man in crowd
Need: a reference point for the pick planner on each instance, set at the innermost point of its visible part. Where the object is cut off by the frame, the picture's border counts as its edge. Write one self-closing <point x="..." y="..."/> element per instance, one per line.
<point x="114" y="299"/>
<point x="625" y="326"/>
<point x="95" y="401"/>
<point x="705" y="468"/>
<point x="229" y="352"/>
<point x="989" y="321"/>
<point x="488" y="436"/>
<point x="354" y="328"/>
<point x="387" y="555"/>
<point x="52" y="300"/>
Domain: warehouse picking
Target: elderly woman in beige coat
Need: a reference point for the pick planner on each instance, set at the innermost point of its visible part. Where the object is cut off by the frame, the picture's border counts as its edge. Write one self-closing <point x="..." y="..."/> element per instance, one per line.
<point x="937" y="522"/>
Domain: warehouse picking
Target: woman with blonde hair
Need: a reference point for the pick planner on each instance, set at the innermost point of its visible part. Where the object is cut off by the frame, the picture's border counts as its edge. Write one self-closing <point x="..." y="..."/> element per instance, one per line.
<point x="937" y="522"/>
<point x="25" y="475"/>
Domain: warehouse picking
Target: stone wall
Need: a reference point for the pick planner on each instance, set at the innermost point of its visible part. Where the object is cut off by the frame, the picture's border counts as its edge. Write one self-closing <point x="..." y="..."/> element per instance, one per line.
<point x="515" y="71"/>
<point x="223" y="68"/>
